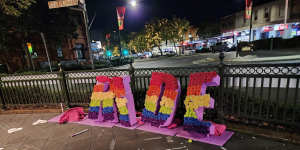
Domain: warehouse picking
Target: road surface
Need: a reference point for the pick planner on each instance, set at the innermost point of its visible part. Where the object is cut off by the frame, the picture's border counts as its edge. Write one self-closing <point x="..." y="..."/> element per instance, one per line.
<point x="209" y="58"/>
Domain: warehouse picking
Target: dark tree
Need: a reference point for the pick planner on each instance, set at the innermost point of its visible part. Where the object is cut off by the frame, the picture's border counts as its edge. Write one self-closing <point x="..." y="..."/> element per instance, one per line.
<point x="16" y="30"/>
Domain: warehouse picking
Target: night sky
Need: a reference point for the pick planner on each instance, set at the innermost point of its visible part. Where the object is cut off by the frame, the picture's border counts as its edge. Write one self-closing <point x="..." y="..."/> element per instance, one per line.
<point x="196" y="11"/>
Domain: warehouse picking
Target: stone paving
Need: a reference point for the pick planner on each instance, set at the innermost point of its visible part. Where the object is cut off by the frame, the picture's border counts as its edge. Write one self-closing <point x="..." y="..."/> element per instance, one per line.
<point x="52" y="136"/>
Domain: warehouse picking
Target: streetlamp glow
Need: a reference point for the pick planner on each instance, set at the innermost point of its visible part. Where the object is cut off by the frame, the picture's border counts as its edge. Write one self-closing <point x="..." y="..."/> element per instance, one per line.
<point x="133" y="3"/>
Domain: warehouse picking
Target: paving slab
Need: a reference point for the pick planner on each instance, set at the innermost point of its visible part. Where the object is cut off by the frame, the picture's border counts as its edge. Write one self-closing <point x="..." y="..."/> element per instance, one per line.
<point x="52" y="136"/>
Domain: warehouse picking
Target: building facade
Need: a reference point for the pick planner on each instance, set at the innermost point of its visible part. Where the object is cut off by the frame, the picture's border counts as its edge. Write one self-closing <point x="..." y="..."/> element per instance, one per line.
<point x="267" y="22"/>
<point x="72" y="49"/>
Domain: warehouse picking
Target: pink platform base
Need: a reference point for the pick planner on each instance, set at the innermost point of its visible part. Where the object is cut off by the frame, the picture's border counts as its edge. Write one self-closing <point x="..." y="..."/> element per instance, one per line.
<point x="91" y="122"/>
<point x="87" y="121"/>
<point x="130" y="128"/>
<point x="179" y="132"/>
<point x="214" y="140"/>
<point x="164" y="131"/>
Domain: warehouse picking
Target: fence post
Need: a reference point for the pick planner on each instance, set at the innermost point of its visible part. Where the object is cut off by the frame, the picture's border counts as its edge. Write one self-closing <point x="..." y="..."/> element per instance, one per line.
<point x="1" y="96"/>
<point x="271" y="44"/>
<point x="221" y="89"/>
<point x="132" y="77"/>
<point x="64" y="84"/>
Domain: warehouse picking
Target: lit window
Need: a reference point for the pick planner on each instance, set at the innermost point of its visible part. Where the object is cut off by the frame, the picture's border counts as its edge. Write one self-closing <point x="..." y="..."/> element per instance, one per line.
<point x="78" y="51"/>
<point x="59" y="52"/>
<point x="78" y="54"/>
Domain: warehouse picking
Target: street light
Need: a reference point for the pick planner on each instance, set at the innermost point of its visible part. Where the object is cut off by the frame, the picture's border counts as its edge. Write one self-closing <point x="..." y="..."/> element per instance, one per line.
<point x="133" y="3"/>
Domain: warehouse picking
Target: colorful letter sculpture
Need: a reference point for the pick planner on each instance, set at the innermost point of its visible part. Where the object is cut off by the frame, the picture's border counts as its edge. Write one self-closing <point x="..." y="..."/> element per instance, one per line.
<point x="110" y="97"/>
<point x="161" y="100"/>
<point x="102" y="106"/>
<point x="124" y="101"/>
<point x="112" y="104"/>
<point x="197" y="100"/>
<point x="100" y="92"/>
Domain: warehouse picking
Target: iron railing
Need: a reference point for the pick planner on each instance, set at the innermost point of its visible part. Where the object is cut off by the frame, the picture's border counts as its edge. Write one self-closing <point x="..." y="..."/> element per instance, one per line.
<point x="260" y="92"/>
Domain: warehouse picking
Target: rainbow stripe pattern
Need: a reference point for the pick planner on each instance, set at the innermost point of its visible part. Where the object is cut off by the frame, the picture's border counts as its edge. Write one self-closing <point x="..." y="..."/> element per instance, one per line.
<point x="102" y="97"/>
<point x="196" y="99"/>
<point x="158" y="108"/>
<point x="95" y="101"/>
<point x="121" y="100"/>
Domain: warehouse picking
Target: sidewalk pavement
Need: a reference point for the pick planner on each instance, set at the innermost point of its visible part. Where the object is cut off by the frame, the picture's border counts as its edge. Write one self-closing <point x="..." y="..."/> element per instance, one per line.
<point x="277" y="58"/>
<point x="268" y="55"/>
<point x="257" y="56"/>
<point x="52" y="136"/>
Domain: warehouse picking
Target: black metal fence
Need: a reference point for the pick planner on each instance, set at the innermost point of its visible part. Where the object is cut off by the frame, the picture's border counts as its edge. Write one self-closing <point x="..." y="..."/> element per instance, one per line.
<point x="261" y="92"/>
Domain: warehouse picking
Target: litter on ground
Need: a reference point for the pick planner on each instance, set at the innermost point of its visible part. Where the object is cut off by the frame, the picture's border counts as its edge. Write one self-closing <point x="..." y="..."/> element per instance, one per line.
<point x="80" y="132"/>
<point x="155" y="138"/>
<point x="14" y="130"/>
<point x="39" y="122"/>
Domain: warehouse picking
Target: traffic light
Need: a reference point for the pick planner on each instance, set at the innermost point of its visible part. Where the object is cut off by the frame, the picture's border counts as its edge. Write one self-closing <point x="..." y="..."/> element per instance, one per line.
<point x="29" y="46"/>
<point x="108" y="53"/>
<point x="125" y="52"/>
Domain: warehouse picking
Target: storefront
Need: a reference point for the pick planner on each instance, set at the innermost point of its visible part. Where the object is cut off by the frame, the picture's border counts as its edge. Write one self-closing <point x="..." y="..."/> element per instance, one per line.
<point x="274" y="31"/>
<point x="241" y="36"/>
<point x="285" y="31"/>
<point x="295" y="27"/>
<point x="279" y="30"/>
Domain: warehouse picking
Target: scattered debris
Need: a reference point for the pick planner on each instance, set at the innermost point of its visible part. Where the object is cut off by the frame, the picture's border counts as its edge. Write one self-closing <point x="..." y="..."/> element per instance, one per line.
<point x="39" y="122"/>
<point x="74" y="114"/>
<point x="80" y="132"/>
<point x="112" y="144"/>
<point x="223" y="148"/>
<point x="172" y="126"/>
<point x="155" y="138"/>
<point x="169" y="139"/>
<point x="14" y="130"/>
<point x="190" y="141"/>
<point x="140" y="122"/>
<point x="179" y="147"/>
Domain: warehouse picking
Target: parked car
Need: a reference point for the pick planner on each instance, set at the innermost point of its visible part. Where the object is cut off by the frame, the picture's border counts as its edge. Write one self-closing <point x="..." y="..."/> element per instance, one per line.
<point x="140" y="55"/>
<point x="147" y="54"/>
<point x="189" y="52"/>
<point x="135" y="56"/>
<point x="220" y="47"/>
<point x="171" y="53"/>
<point x="246" y="47"/>
<point x="202" y="50"/>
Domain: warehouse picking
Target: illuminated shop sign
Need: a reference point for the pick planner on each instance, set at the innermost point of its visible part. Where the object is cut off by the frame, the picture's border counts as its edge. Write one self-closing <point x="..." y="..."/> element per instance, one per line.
<point x="278" y="27"/>
<point x="267" y="28"/>
<point x="296" y="26"/>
